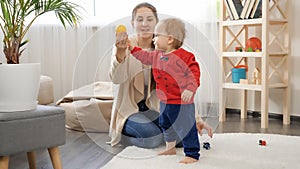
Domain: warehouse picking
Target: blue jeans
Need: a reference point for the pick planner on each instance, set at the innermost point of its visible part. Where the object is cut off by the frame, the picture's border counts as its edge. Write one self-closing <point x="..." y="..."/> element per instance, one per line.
<point x="179" y="120"/>
<point x="142" y="130"/>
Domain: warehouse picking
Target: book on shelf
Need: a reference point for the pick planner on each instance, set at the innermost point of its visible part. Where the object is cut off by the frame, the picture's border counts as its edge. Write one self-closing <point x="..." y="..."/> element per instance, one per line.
<point x="228" y="10"/>
<point x="256" y="11"/>
<point x="246" y="5"/>
<point x="236" y="8"/>
<point x="250" y="9"/>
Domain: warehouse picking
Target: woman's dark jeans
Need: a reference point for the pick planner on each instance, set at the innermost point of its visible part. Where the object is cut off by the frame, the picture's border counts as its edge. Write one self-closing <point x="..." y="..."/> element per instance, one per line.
<point x="142" y="129"/>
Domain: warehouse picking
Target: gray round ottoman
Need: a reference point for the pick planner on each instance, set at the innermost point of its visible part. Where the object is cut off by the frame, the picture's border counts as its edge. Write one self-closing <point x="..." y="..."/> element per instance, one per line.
<point x="27" y="131"/>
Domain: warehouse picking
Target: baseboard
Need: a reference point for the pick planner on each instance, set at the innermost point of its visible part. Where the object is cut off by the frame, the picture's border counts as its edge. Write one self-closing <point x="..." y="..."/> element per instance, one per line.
<point x="257" y="114"/>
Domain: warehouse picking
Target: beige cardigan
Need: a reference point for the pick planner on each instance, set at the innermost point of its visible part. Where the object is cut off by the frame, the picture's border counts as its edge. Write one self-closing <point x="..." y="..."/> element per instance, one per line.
<point x="128" y="90"/>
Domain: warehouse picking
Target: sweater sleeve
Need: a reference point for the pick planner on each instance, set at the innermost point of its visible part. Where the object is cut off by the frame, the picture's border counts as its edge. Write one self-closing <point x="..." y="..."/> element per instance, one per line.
<point x="146" y="57"/>
<point x="193" y="72"/>
<point x="118" y="72"/>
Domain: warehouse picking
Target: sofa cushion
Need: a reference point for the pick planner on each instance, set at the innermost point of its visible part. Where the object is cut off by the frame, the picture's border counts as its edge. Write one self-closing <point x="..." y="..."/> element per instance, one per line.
<point x="45" y="95"/>
<point x="89" y="107"/>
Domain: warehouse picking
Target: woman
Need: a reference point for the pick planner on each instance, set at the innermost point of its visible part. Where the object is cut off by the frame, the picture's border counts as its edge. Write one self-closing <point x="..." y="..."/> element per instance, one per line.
<point x="134" y="119"/>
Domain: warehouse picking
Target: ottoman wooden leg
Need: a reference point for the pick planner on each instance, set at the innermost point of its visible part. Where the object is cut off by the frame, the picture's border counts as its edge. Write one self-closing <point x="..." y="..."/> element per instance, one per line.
<point x="55" y="157"/>
<point x="4" y="162"/>
<point x="31" y="159"/>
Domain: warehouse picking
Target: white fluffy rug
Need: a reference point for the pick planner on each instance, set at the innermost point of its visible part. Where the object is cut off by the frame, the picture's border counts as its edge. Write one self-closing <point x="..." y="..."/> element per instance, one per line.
<point x="228" y="151"/>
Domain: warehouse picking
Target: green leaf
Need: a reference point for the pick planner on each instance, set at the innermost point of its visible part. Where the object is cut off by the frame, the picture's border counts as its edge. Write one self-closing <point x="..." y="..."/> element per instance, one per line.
<point x="15" y="12"/>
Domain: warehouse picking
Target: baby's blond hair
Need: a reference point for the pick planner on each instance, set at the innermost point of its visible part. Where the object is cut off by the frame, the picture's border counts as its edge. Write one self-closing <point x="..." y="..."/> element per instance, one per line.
<point x="174" y="27"/>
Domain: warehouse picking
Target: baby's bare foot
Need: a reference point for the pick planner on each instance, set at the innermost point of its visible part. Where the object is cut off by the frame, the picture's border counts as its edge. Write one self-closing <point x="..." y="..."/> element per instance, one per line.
<point x="188" y="160"/>
<point x="171" y="151"/>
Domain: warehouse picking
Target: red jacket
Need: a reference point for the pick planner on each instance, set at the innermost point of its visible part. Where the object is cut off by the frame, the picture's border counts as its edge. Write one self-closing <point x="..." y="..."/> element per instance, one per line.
<point x="173" y="73"/>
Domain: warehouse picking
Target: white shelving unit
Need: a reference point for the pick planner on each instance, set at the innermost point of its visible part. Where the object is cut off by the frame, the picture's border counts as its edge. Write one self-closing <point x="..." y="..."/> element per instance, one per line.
<point x="273" y="30"/>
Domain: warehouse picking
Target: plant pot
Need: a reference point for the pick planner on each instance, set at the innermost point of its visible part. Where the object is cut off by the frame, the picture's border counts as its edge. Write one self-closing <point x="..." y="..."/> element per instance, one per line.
<point x="19" y="86"/>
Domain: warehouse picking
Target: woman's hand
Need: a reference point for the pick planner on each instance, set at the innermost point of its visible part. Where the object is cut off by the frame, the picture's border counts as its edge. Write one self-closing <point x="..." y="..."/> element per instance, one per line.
<point x="202" y="125"/>
<point x="121" y="44"/>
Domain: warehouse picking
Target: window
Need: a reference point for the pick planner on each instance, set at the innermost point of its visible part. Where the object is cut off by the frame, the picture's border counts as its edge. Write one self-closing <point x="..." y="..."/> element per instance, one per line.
<point x="105" y="12"/>
<point x="189" y="10"/>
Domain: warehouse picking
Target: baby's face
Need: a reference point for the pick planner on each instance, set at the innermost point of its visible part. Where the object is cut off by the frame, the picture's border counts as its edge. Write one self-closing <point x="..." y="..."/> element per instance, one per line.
<point x="160" y="38"/>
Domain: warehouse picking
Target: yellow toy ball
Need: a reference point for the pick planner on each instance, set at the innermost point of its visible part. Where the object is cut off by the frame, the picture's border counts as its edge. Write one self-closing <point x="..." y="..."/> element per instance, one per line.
<point x="121" y="28"/>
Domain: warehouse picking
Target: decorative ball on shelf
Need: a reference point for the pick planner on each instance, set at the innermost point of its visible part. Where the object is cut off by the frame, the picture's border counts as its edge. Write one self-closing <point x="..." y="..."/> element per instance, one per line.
<point x="253" y="43"/>
<point x="257" y="49"/>
<point x="238" y="49"/>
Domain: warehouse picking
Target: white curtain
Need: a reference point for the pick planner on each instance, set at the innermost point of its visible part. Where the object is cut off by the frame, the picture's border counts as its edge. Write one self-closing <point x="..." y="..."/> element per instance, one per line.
<point x="70" y="56"/>
<point x="74" y="57"/>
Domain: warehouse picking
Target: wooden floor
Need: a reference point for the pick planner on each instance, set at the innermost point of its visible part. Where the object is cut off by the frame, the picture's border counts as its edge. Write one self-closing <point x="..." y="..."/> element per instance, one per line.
<point x="90" y="151"/>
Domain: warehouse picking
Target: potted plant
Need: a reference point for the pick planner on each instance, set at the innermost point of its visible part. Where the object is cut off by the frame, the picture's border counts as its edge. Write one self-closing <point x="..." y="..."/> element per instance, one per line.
<point x="14" y="26"/>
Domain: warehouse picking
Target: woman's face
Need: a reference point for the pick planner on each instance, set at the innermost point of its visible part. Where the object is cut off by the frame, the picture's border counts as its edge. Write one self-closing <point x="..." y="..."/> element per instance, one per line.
<point x="144" y="22"/>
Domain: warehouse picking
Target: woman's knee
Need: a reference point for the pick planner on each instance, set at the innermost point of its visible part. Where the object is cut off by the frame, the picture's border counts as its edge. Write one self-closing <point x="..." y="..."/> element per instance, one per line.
<point x="142" y="132"/>
<point x="138" y="125"/>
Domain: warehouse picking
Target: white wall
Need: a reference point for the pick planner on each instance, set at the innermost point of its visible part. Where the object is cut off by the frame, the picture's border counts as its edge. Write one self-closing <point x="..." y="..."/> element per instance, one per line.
<point x="275" y="99"/>
<point x="61" y="65"/>
<point x="295" y="57"/>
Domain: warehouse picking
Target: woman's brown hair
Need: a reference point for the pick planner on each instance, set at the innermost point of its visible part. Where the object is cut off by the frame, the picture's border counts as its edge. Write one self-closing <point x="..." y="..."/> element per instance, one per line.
<point x="146" y="5"/>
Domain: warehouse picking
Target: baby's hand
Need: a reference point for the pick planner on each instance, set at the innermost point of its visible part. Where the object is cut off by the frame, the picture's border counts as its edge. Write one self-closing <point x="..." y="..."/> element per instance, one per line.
<point x="129" y="46"/>
<point x="187" y="95"/>
<point x="202" y="125"/>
